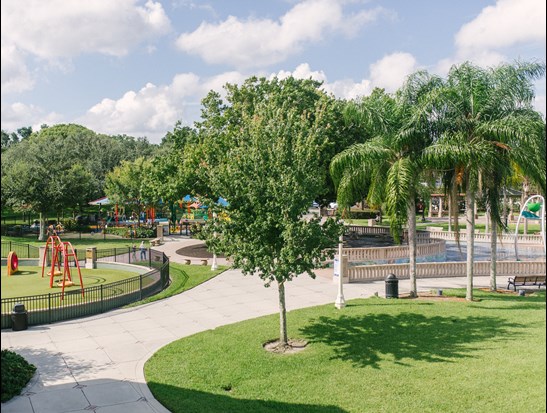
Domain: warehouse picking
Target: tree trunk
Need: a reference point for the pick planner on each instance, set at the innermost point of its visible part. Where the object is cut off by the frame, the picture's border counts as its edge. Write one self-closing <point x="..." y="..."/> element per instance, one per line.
<point x="42" y="227"/>
<point x="494" y="254"/>
<point x="412" y="246"/>
<point x="283" y="340"/>
<point x="470" y="239"/>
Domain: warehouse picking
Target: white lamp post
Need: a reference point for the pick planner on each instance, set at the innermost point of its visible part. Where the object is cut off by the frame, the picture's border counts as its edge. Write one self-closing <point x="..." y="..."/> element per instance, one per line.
<point x="340" y="302"/>
<point x="214" y="266"/>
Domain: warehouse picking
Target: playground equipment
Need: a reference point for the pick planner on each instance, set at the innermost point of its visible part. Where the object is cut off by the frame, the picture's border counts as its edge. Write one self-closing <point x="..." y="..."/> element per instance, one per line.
<point x="13" y="263"/>
<point x="529" y="213"/>
<point x="61" y="250"/>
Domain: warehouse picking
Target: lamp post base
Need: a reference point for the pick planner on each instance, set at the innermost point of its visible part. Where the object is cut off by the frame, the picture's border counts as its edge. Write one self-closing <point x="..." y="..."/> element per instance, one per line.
<point x="340" y="302"/>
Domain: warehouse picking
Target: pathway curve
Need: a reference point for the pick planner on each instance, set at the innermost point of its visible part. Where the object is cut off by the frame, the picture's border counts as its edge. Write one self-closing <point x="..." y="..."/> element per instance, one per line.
<point x="95" y="364"/>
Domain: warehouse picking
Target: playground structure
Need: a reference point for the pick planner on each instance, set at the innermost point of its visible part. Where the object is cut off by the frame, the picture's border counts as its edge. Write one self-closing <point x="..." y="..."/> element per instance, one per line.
<point x="61" y="250"/>
<point x="13" y="263"/>
<point x="534" y="204"/>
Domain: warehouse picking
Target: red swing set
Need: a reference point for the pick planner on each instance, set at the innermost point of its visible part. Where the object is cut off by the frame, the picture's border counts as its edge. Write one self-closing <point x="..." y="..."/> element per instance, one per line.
<point x="61" y="250"/>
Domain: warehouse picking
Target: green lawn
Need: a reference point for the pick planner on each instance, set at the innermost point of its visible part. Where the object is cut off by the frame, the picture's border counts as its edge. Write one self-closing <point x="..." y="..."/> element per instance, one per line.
<point x="29" y="281"/>
<point x="375" y="355"/>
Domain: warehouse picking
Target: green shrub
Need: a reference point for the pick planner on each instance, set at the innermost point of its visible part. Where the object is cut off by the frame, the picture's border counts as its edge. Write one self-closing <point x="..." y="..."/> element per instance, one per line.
<point x="363" y="214"/>
<point x="16" y="373"/>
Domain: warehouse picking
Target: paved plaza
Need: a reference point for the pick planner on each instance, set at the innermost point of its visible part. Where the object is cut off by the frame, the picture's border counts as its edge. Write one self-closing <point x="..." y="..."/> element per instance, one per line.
<point x="96" y="363"/>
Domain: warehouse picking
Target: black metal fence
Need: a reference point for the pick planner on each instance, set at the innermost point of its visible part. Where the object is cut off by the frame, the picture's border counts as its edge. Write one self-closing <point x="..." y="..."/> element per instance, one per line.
<point x="49" y="308"/>
<point x="22" y="250"/>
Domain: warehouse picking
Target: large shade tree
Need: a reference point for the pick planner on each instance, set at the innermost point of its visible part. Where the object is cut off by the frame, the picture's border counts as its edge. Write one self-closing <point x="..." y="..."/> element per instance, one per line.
<point x="485" y="121"/>
<point x="270" y="172"/>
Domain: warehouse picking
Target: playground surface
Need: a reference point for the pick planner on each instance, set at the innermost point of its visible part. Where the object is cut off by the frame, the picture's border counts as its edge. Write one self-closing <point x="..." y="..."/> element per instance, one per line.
<point x="96" y="363"/>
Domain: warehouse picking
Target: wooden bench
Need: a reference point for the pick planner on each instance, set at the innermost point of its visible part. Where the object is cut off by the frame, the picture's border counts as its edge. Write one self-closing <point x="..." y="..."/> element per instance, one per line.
<point x="523" y="280"/>
<point x="155" y="242"/>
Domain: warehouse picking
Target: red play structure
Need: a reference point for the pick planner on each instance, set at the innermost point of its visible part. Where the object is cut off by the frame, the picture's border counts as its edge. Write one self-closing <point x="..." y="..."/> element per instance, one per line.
<point x="61" y="250"/>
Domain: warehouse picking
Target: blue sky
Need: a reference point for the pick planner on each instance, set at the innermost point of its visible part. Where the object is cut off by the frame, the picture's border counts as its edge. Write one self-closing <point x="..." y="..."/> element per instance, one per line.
<point x="137" y="67"/>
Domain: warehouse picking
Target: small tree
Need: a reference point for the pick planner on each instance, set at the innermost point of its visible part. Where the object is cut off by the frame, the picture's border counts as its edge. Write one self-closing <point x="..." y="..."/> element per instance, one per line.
<point x="270" y="174"/>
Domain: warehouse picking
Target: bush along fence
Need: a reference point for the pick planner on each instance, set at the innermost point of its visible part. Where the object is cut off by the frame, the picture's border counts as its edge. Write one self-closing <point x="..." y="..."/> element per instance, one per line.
<point x="49" y="308"/>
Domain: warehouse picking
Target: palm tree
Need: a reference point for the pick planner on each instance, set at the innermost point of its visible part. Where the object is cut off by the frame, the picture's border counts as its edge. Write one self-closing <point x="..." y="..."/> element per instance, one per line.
<point x="485" y="121"/>
<point x="389" y="163"/>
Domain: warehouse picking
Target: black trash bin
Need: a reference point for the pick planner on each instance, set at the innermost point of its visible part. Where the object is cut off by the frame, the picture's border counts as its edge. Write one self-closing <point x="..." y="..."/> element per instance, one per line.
<point x="392" y="286"/>
<point x="19" y="318"/>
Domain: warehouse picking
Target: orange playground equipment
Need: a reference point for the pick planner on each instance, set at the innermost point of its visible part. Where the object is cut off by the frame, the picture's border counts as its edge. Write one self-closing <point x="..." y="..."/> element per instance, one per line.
<point x="61" y="251"/>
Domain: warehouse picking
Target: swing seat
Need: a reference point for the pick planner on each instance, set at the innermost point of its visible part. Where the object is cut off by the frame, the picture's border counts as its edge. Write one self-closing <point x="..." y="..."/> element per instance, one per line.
<point x="56" y="273"/>
<point x="67" y="284"/>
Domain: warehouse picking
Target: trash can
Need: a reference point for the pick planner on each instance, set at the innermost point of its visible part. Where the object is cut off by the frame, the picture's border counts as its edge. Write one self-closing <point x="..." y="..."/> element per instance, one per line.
<point x="392" y="286"/>
<point x="19" y="317"/>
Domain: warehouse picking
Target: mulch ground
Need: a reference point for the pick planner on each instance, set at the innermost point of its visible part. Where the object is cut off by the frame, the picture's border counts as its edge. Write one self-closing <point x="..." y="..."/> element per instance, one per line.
<point x="196" y="251"/>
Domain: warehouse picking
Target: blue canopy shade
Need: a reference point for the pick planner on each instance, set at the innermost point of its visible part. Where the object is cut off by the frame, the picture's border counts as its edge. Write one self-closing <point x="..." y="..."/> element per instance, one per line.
<point x="222" y="202"/>
<point x="189" y="198"/>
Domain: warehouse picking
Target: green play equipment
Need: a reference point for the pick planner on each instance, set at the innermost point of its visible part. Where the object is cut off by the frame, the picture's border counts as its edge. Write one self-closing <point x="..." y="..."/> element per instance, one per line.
<point x="535" y="203"/>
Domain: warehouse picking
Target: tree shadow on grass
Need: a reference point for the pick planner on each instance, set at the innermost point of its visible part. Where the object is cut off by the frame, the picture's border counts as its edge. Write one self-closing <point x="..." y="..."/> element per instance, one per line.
<point x="365" y="340"/>
<point x="181" y="400"/>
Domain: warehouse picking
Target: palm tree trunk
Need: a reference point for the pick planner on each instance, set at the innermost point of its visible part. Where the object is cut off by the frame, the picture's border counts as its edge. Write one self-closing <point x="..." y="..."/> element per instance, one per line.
<point x="283" y="340"/>
<point x="494" y="254"/>
<point x="412" y="246"/>
<point x="470" y="239"/>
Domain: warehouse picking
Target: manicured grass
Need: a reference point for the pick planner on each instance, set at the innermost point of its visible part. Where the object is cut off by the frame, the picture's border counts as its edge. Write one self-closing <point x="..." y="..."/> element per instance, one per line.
<point x="375" y="355"/>
<point x="29" y="281"/>
<point x="183" y="277"/>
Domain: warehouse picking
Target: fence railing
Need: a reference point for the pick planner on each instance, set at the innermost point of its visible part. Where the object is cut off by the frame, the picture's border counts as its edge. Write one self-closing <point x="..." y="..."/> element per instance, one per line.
<point x="22" y="250"/>
<point x="444" y="269"/>
<point x="486" y="237"/>
<point x="49" y="308"/>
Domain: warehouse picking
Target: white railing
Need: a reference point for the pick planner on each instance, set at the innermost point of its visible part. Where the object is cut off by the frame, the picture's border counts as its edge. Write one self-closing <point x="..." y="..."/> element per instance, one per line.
<point x="438" y="232"/>
<point x="362" y="230"/>
<point x="431" y="247"/>
<point x="485" y="237"/>
<point x="445" y="269"/>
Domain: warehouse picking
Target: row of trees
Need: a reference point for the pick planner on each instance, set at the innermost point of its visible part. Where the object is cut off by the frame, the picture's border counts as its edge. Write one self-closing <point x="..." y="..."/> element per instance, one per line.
<point x="63" y="166"/>
<point x="271" y="147"/>
<point x="472" y="129"/>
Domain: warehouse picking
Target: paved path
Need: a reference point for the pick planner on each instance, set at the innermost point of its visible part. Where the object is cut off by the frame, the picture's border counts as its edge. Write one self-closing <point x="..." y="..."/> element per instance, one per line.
<point x="96" y="363"/>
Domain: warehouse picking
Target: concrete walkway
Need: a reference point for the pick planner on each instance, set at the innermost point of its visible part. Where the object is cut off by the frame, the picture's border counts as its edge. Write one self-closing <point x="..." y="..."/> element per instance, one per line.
<point x="95" y="364"/>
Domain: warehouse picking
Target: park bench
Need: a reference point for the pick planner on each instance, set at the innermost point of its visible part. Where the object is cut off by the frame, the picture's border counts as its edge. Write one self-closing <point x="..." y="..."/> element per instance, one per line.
<point x="523" y="280"/>
<point x="155" y="242"/>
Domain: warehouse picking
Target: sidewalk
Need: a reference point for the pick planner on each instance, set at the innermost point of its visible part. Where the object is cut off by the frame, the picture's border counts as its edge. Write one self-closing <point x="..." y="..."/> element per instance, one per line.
<point x="95" y="364"/>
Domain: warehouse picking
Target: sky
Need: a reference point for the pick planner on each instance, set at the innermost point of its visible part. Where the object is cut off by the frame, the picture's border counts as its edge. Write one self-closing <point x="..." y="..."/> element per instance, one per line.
<point x="137" y="67"/>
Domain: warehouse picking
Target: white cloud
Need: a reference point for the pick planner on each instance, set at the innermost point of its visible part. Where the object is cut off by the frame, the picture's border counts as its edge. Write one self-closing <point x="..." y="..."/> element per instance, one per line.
<point x="15" y="74"/>
<point x="302" y="71"/>
<point x="262" y="42"/>
<point x="507" y="23"/>
<point x="391" y="71"/>
<point x="57" y="30"/>
<point x="18" y="114"/>
<point x="539" y="104"/>
<point x="153" y="110"/>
